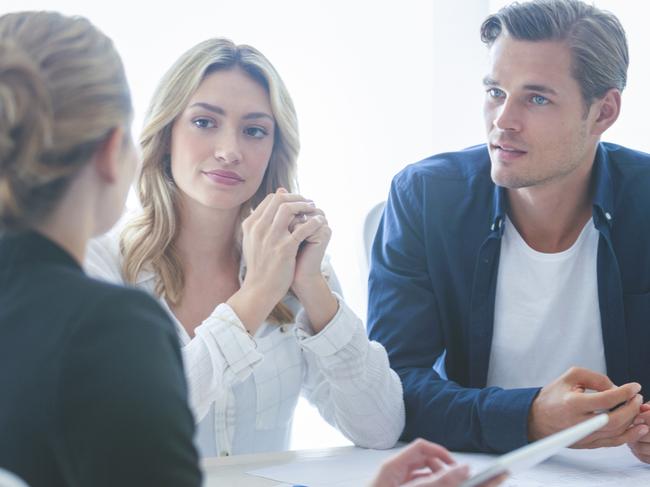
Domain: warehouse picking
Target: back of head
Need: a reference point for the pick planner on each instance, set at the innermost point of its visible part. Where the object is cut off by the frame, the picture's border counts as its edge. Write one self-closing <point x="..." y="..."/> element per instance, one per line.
<point x="596" y="39"/>
<point x="62" y="90"/>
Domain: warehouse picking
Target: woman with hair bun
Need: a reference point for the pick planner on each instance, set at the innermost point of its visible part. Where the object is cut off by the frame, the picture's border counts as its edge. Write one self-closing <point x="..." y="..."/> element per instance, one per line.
<point x="93" y="391"/>
<point x="237" y="257"/>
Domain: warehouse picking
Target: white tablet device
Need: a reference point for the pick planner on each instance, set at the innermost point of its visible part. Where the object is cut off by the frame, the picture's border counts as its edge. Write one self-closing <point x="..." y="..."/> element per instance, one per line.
<point x="537" y="452"/>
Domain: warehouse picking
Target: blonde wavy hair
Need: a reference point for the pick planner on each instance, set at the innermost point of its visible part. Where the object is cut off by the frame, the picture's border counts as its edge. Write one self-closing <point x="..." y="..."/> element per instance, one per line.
<point x="62" y="91"/>
<point x="148" y="241"/>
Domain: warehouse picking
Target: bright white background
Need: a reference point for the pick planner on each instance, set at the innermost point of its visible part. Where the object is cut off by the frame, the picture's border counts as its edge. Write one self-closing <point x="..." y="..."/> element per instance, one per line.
<point x="377" y="85"/>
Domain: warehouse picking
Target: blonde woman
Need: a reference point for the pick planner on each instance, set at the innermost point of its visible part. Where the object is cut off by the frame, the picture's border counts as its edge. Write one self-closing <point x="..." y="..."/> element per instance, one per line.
<point x="236" y="256"/>
<point x="93" y="391"/>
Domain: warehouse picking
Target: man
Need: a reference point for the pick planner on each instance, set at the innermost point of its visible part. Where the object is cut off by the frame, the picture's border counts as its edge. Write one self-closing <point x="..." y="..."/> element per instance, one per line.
<point x="525" y="262"/>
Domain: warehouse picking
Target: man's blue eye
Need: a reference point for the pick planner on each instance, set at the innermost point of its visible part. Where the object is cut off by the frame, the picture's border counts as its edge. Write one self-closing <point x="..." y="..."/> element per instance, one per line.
<point x="539" y="100"/>
<point x="495" y="92"/>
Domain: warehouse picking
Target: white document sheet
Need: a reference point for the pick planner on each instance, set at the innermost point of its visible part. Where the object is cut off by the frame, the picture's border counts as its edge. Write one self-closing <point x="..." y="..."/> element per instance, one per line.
<point x="356" y="468"/>
<point x="608" y="467"/>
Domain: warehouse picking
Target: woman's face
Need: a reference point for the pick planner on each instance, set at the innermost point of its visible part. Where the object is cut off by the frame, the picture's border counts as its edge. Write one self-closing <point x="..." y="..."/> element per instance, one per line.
<point x="221" y="143"/>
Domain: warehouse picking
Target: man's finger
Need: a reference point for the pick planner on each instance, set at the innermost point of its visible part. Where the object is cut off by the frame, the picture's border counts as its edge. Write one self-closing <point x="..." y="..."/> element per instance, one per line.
<point x="643" y="417"/>
<point x="630" y="436"/>
<point x="606" y="400"/>
<point x="588" y="379"/>
<point x="624" y="416"/>
<point x="640" y="448"/>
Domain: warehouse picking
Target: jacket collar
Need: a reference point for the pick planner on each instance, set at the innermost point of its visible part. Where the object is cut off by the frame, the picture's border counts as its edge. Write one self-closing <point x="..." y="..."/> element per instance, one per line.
<point x="603" y="188"/>
<point x="32" y="246"/>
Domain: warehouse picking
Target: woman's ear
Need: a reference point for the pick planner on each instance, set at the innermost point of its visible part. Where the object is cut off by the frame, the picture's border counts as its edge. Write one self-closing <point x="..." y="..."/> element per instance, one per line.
<point x="107" y="158"/>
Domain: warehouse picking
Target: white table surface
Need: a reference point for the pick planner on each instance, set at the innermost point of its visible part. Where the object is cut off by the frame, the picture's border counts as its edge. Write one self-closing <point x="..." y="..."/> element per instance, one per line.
<point x="231" y="471"/>
<point x="606" y="467"/>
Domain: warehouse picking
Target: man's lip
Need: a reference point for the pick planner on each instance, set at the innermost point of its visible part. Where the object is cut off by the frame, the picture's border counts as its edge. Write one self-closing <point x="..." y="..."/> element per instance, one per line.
<point x="506" y="147"/>
<point x="225" y="174"/>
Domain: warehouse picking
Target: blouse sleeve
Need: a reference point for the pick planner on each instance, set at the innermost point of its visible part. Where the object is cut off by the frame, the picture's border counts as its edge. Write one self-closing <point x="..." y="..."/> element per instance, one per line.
<point x="348" y="378"/>
<point x="220" y="355"/>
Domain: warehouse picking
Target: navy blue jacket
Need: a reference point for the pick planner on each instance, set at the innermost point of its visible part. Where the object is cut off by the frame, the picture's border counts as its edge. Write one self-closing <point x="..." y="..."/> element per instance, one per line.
<point x="432" y="290"/>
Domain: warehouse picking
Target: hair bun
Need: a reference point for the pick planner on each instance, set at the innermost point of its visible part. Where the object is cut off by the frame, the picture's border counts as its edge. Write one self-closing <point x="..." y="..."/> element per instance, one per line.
<point x="25" y="123"/>
<point x="25" y="108"/>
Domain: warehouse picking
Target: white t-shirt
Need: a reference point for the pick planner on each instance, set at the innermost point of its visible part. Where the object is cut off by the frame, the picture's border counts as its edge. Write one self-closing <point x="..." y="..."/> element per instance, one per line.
<point x="546" y="313"/>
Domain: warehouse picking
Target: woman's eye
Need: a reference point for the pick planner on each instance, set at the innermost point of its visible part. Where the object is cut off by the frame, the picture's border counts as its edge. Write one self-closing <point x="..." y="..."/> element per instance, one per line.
<point x="256" y="132"/>
<point x="203" y="123"/>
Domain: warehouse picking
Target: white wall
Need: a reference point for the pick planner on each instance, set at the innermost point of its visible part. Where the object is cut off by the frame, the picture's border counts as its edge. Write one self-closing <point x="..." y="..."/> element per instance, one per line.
<point x="633" y="127"/>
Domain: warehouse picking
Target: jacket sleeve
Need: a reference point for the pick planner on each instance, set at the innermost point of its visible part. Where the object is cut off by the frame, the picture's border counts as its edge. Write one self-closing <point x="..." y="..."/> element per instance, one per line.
<point x="349" y="380"/>
<point x="404" y="315"/>
<point x="123" y="399"/>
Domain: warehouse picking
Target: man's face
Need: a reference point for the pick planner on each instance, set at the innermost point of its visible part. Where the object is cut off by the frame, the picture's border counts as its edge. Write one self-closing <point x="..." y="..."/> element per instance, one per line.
<point x="537" y="130"/>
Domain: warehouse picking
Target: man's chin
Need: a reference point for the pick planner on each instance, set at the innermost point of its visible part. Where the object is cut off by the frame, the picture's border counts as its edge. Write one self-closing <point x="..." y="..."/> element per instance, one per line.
<point x="507" y="180"/>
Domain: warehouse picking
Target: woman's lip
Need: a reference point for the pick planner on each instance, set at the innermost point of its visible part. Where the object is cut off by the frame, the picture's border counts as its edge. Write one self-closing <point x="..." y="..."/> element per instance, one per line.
<point x="224" y="177"/>
<point x="225" y="174"/>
